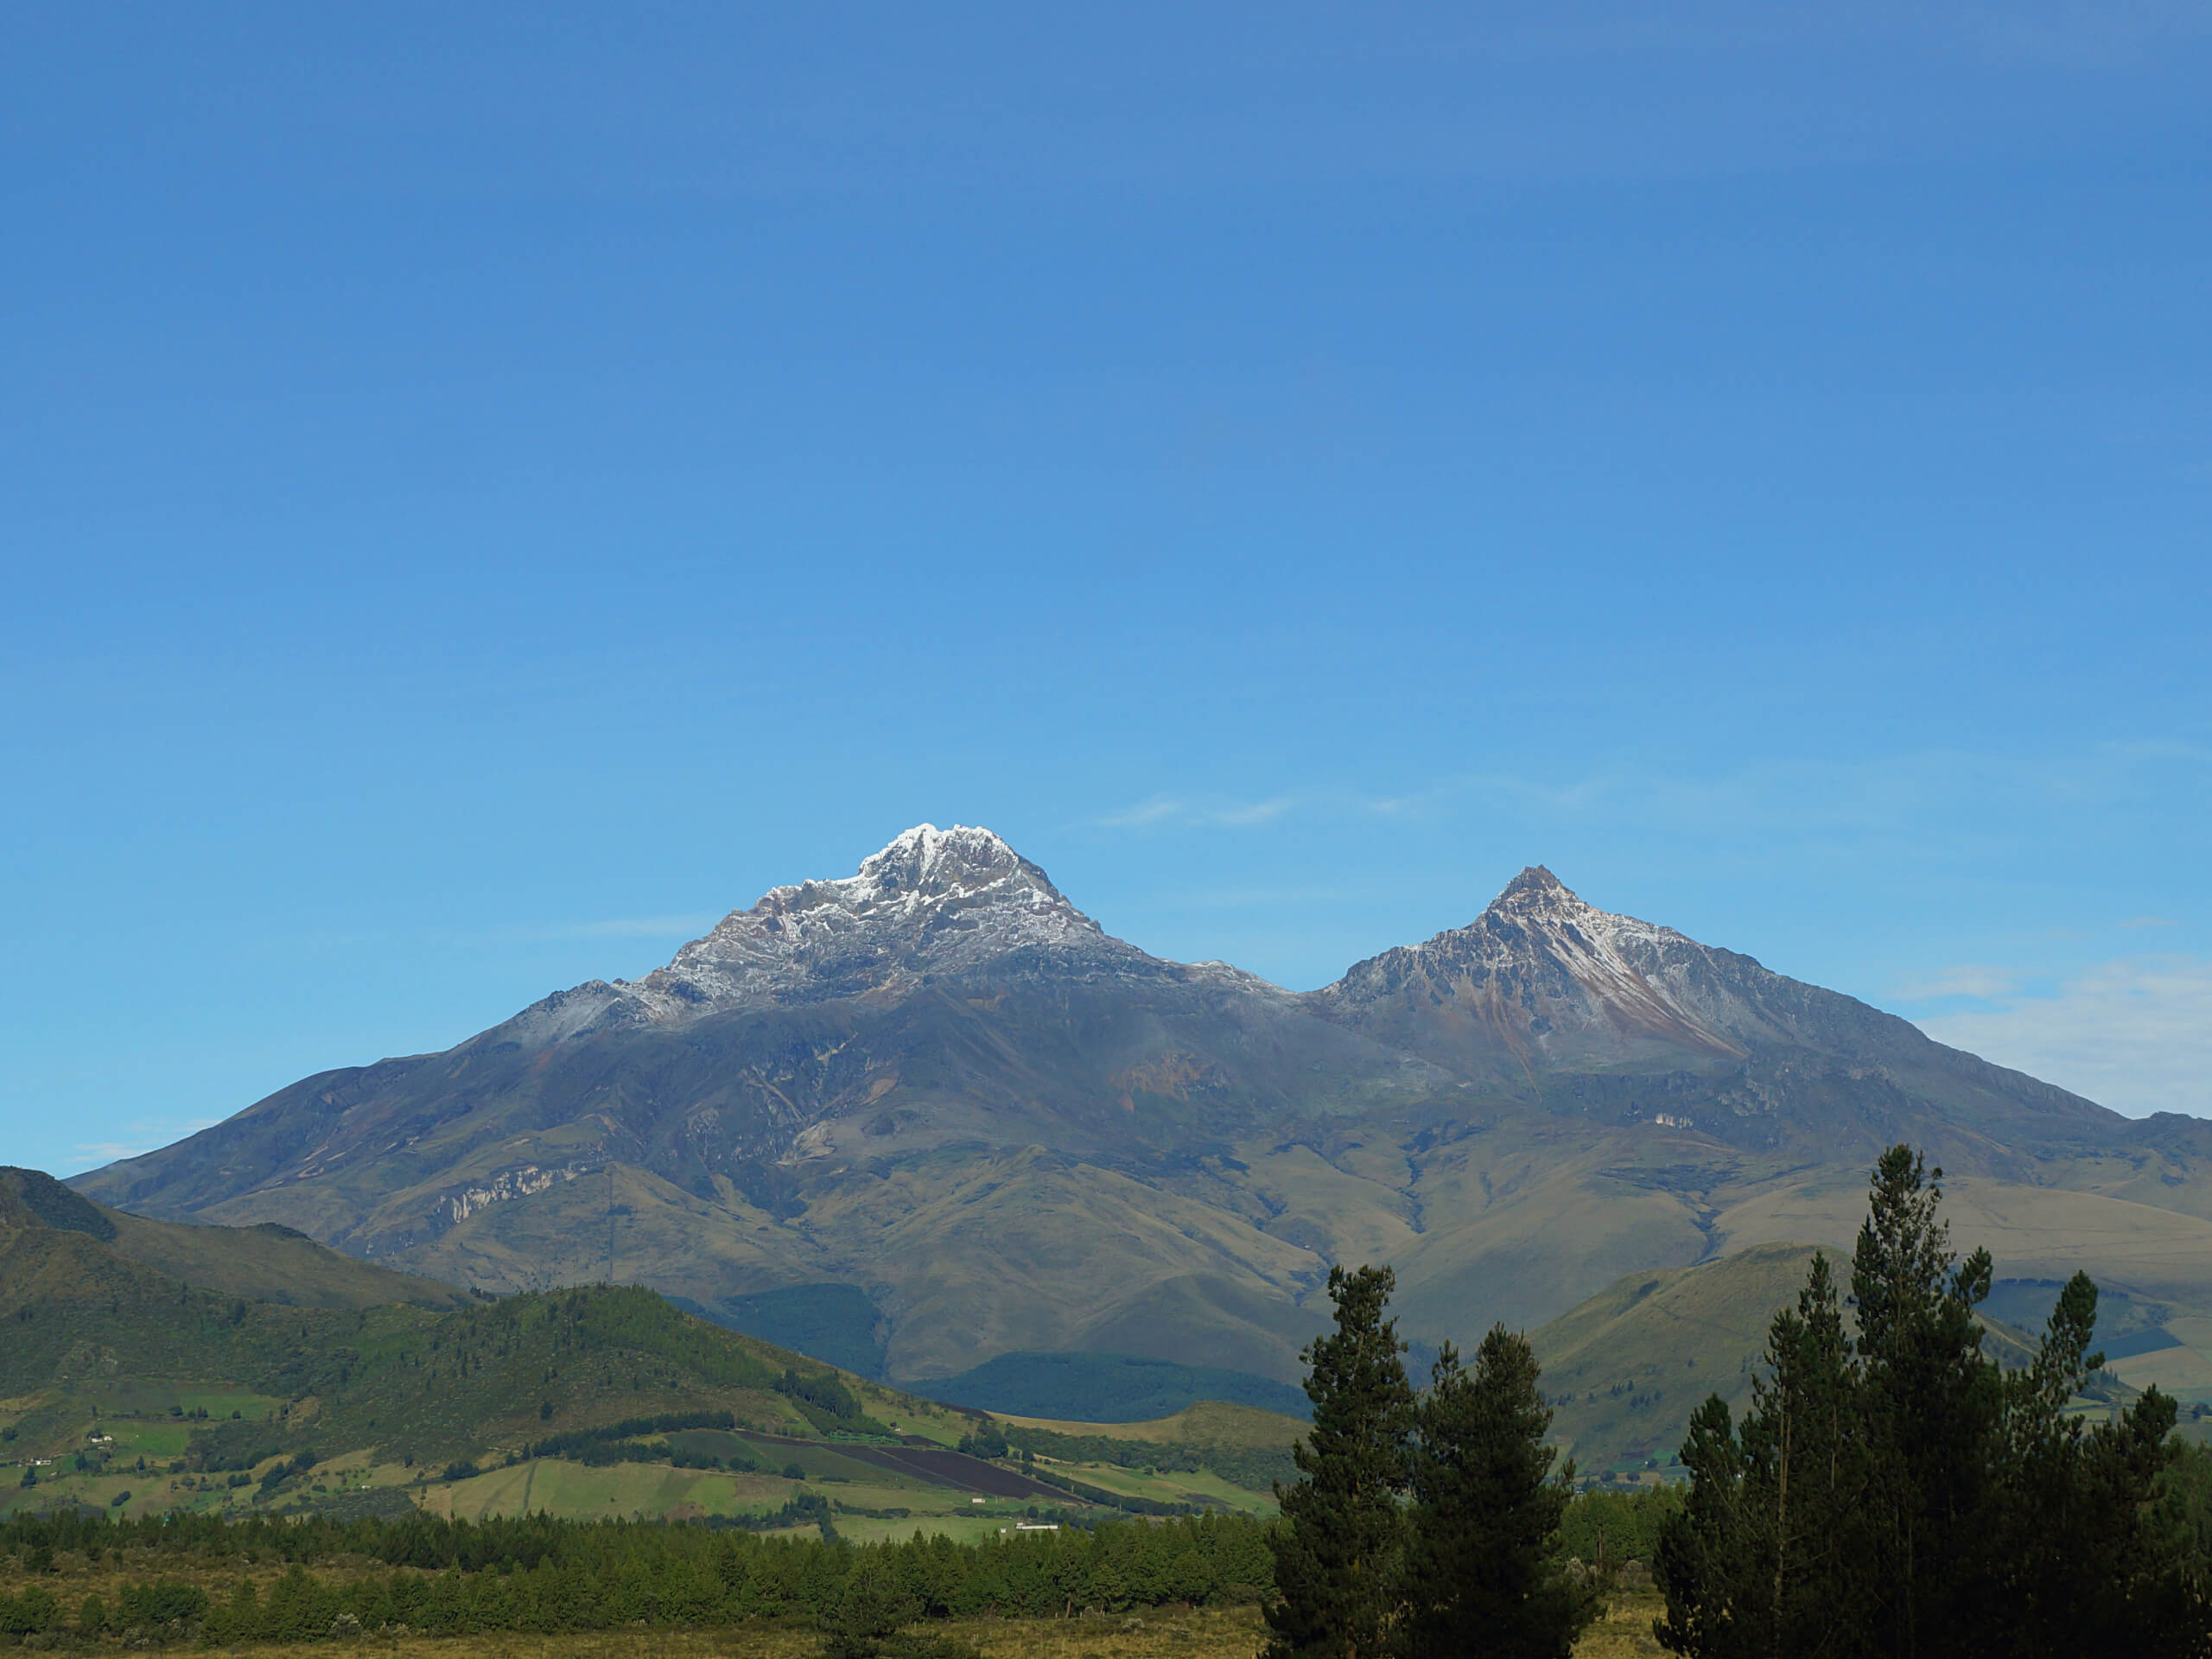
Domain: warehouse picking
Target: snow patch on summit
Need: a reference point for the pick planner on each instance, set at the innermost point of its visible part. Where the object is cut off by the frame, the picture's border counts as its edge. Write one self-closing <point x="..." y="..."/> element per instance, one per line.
<point x="1547" y="970"/>
<point x="934" y="903"/>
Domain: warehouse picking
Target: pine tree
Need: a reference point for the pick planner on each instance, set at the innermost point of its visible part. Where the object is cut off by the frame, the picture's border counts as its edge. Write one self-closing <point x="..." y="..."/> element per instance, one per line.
<point x="1765" y="1558"/>
<point x="1482" y="1576"/>
<point x="2088" y="1562"/>
<point x="1706" y="1563"/>
<point x="1933" y="1412"/>
<point x="1337" y="1552"/>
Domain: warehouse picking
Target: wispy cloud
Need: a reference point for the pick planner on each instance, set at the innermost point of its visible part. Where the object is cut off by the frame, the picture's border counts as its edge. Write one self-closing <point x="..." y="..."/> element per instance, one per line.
<point x="145" y="1136"/>
<point x="1256" y="812"/>
<point x="1966" y="979"/>
<point x="1143" y="815"/>
<point x="1160" y="811"/>
<point x="1900" y="802"/>
<point x="108" y="1152"/>
<point x="2149" y="921"/>
<point x="2134" y="1033"/>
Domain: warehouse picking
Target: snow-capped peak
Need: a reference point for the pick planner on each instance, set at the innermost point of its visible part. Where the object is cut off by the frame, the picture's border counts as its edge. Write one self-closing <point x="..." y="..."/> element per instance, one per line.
<point x="934" y="903"/>
<point x="927" y="861"/>
<point x="1540" y="956"/>
<point x="1538" y="899"/>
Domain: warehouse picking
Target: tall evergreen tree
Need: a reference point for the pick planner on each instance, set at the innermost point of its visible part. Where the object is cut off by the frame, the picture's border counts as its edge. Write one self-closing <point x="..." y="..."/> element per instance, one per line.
<point x="1482" y="1576"/>
<point x="2088" y="1562"/>
<point x="1707" y="1562"/>
<point x="1766" y="1558"/>
<point x="1337" y="1552"/>
<point x="1933" y="1411"/>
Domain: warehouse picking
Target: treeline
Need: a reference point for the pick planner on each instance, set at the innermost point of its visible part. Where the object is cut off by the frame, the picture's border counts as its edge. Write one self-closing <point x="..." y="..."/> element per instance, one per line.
<point x="1109" y="1499"/>
<point x="588" y="1577"/>
<point x="1606" y="1530"/>
<point x="1896" y="1492"/>
<point x="583" y="1444"/>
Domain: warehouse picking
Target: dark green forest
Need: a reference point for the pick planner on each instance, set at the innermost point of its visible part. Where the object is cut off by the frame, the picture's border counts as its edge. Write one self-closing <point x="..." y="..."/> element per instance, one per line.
<point x="544" y="1576"/>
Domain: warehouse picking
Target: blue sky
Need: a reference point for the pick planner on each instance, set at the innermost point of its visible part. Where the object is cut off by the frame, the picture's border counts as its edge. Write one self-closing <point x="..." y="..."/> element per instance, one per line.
<point x="484" y="491"/>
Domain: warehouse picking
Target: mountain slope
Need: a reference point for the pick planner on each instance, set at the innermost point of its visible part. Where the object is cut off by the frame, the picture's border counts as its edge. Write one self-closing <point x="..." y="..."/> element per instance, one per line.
<point x="1624" y="1369"/>
<point x="937" y="1083"/>
<point x="1546" y="993"/>
<point x="263" y="1263"/>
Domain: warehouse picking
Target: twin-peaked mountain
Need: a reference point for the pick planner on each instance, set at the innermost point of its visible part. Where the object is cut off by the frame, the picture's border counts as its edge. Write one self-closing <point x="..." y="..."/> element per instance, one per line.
<point x="940" y="1086"/>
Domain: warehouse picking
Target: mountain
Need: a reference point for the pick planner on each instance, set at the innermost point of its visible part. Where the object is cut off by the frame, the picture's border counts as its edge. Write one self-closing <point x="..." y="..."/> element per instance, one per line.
<point x="938" y="1111"/>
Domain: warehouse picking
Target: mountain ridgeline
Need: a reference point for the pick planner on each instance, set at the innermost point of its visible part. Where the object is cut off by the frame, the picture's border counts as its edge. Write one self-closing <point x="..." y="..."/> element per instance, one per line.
<point x="936" y="1110"/>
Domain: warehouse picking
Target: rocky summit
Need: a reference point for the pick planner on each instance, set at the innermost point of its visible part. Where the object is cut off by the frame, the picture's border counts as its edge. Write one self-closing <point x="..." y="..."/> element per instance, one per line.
<point x="937" y="1104"/>
<point x="934" y="904"/>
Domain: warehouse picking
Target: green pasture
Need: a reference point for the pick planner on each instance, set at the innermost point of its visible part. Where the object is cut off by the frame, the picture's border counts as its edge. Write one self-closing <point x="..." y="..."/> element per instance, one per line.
<point x="1196" y="1487"/>
<point x="154" y="1397"/>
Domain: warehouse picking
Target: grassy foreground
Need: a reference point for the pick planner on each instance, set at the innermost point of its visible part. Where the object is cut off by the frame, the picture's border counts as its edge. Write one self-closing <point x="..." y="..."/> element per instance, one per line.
<point x="1198" y="1633"/>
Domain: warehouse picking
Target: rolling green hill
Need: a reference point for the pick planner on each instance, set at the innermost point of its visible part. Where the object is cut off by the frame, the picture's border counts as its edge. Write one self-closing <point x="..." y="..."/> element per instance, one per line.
<point x="264" y="1262"/>
<point x="1209" y="1422"/>
<point x="125" y="1387"/>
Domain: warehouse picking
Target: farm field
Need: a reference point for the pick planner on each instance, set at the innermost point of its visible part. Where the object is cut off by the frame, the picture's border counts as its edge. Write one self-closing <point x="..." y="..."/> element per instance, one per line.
<point x="1195" y="1487"/>
<point x="902" y="1499"/>
<point x="627" y="1490"/>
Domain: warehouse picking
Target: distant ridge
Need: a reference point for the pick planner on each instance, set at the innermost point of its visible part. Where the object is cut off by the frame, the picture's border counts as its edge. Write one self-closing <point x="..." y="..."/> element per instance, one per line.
<point x="931" y="1113"/>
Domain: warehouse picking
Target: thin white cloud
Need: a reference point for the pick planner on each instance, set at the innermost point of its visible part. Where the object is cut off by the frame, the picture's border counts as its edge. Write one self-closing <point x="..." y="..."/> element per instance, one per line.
<point x="108" y="1152"/>
<point x="1257" y="812"/>
<point x="146" y="1136"/>
<point x="2149" y="921"/>
<point x="1144" y="815"/>
<point x="2134" y="1034"/>
<point x="1899" y="805"/>
<point x="1966" y="979"/>
<point x="1228" y="815"/>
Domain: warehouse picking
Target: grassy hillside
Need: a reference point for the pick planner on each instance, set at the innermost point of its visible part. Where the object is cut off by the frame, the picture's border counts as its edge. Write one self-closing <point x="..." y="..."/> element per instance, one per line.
<point x="263" y="1263"/>
<point x="1209" y="1422"/>
<point x="1105" y="1388"/>
<point x="122" y="1387"/>
<point x="1625" y="1369"/>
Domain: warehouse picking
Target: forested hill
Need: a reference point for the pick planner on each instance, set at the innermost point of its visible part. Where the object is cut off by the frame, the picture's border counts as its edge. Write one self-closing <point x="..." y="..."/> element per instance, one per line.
<point x="89" y="1327"/>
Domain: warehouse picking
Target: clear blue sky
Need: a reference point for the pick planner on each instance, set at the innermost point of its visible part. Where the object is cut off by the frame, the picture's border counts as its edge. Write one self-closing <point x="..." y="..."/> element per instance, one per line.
<point x="484" y="490"/>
